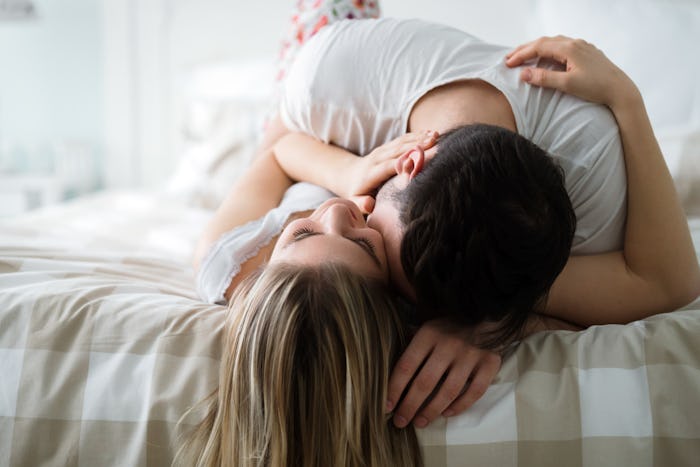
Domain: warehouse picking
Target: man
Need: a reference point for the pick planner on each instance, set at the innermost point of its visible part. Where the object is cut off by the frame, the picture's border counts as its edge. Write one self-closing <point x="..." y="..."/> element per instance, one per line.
<point x="358" y="86"/>
<point x="412" y="76"/>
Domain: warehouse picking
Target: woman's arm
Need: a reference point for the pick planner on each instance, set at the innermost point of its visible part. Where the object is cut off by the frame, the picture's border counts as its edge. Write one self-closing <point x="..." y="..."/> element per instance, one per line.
<point x="657" y="271"/>
<point x="284" y="158"/>
<point x="306" y="159"/>
<point x="258" y="190"/>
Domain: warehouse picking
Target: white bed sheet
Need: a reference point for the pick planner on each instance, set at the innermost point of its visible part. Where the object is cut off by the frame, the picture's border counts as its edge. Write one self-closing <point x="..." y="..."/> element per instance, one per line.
<point x="104" y="344"/>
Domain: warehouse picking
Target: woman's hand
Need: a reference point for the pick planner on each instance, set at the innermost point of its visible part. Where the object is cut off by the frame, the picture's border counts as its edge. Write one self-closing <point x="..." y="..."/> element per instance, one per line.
<point x="450" y="374"/>
<point x="366" y="174"/>
<point x="589" y="74"/>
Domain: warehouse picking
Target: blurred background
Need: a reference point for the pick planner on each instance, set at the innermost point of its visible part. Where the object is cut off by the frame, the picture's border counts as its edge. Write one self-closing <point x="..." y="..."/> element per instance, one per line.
<point x="51" y="107"/>
<point x="142" y="94"/>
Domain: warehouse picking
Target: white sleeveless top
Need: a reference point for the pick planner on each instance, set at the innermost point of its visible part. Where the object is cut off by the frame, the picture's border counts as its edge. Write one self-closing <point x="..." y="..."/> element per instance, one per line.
<point x="224" y="259"/>
<point x="355" y="83"/>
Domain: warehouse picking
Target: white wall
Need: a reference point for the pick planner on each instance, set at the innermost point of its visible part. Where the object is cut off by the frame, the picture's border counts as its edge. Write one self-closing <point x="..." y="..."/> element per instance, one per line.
<point x="149" y="45"/>
<point x="51" y="85"/>
<point x="105" y="74"/>
<point x="506" y="22"/>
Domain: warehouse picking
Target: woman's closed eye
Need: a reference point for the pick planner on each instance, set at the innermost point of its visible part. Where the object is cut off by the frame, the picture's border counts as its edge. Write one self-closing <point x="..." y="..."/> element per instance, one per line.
<point x="366" y="244"/>
<point x="302" y="232"/>
<point x="362" y="241"/>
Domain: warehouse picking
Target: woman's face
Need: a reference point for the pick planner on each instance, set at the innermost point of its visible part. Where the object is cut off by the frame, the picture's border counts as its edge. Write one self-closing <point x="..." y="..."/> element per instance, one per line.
<point x="336" y="232"/>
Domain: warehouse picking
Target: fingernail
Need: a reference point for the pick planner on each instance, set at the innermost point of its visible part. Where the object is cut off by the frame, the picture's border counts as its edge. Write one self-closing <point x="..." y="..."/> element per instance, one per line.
<point x="526" y="74"/>
<point x="399" y="421"/>
<point x="421" y="422"/>
<point x="448" y="413"/>
<point x="389" y="406"/>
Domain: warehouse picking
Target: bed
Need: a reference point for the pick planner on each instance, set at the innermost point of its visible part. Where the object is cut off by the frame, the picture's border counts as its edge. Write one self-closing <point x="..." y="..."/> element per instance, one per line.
<point x="104" y="343"/>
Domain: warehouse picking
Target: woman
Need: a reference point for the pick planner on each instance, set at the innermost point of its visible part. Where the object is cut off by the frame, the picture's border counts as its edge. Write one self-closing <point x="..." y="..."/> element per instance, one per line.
<point x="264" y="219"/>
<point x="243" y="234"/>
<point x="312" y="329"/>
<point x="304" y="375"/>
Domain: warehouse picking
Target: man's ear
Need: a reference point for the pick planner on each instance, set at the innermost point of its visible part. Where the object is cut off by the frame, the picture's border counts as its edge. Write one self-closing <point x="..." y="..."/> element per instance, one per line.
<point x="411" y="163"/>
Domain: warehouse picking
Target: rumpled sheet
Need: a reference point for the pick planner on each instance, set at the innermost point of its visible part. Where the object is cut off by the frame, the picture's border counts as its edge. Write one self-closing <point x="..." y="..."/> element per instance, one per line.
<point x="104" y="345"/>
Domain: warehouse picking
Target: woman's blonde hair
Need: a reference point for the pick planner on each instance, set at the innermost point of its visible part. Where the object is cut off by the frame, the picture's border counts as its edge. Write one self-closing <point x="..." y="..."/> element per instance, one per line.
<point x="304" y="375"/>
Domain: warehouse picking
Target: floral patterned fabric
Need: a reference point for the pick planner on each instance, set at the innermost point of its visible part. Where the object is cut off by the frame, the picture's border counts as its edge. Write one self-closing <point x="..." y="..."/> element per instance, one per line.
<point x="308" y="18"/>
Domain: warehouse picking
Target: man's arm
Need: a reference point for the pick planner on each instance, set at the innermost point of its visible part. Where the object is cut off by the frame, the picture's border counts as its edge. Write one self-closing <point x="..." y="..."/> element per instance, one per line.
<point x="657" y="271"/>
<point x="445" y="369"/>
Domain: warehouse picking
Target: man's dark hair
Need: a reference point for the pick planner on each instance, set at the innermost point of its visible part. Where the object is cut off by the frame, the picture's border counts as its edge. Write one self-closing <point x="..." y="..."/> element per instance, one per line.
<point x="488" y="226"/>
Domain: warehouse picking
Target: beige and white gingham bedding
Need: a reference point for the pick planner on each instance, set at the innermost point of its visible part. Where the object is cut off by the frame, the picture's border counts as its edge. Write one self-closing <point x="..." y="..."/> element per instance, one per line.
<point x="103" y="345"/>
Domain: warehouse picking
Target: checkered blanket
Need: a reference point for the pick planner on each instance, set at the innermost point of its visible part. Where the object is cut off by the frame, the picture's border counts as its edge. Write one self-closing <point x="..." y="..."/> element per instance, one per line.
<point x="104" y="345"/>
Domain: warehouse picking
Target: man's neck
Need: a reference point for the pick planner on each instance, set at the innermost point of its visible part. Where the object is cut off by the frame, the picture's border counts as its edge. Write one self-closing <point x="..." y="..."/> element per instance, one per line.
<point x="461" y="103"/>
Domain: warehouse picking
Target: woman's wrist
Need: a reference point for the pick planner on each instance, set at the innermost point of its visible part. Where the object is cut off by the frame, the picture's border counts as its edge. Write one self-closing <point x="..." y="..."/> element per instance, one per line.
<point x="345" y="176"/>
<point x="628" y="97"/>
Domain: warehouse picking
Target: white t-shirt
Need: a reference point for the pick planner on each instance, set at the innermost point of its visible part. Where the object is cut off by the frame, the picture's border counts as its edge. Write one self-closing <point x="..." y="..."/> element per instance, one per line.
<point x="354" y="85"/>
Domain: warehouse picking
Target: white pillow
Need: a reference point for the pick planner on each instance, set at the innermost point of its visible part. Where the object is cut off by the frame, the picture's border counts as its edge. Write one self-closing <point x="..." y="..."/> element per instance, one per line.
<point x="223" y="106"/>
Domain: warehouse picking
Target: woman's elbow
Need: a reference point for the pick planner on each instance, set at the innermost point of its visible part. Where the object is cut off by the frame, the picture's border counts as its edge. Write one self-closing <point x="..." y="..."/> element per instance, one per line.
<point x="685" y="291"/>
<point x="693" y="290"/>
<point x="199" y="251"/>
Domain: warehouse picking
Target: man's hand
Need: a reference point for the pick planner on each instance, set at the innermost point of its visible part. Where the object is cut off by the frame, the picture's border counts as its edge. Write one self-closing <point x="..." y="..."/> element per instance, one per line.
<point x="365" y="174"/>
<point x="439" y="350"/>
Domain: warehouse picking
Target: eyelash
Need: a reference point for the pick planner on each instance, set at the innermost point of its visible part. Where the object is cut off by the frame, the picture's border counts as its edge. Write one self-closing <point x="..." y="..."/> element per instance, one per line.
<point x="306" y="231"/>
<point x="302" y="231"/>
<point x="367" y="242"/>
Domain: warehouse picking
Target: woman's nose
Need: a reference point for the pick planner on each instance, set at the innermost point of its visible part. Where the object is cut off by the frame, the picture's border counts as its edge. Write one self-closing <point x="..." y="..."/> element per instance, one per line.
<point x="340" y="218"/>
